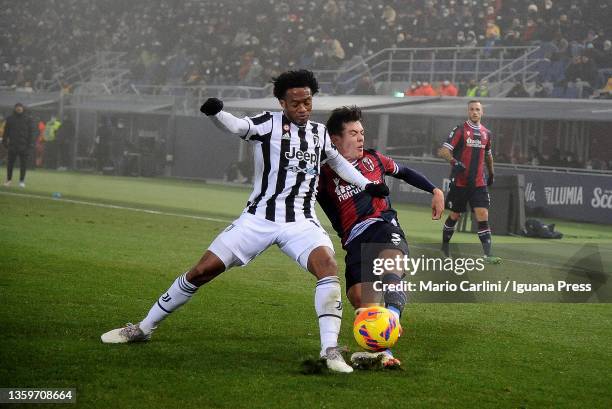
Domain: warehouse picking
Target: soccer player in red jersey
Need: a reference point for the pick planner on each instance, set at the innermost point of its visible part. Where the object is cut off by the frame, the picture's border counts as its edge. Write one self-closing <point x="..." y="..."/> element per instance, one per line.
<point x="468" y="149"/>
<point x="361" y="219"/>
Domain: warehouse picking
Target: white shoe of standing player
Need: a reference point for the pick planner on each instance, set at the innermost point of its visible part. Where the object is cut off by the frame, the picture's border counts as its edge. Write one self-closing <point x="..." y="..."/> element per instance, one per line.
<point x="335" y="362"/>
<point x="129" y="333"/>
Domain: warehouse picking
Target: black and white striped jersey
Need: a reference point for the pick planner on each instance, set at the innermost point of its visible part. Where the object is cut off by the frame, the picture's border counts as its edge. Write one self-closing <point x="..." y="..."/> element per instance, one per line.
<point x="287" y="162"/>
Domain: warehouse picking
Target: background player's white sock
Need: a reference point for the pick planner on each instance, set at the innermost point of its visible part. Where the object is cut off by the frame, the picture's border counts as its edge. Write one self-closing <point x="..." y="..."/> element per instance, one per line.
<point x="178" y="294"/>
<point x="328" y="304"/>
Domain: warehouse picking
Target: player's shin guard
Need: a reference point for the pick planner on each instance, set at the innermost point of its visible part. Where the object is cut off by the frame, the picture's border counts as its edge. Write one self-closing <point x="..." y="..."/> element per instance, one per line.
<point x="395" y="299"/>
<point x="328" y="304"/>
<point x="178" y="294"/>
<point x="484" y="234"/>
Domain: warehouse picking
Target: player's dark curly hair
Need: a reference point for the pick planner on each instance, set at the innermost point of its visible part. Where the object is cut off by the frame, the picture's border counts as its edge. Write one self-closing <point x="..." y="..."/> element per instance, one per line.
<point x="294" y="79"/>
<point x="340" y="116"/>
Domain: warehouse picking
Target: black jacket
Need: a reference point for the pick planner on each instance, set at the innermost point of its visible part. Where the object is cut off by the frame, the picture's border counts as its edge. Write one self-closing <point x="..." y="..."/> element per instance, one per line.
<point x="19" y="132"/>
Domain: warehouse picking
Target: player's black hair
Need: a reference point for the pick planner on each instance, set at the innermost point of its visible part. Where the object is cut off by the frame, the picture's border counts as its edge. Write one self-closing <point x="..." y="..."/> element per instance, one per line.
<point x="474" y="101"/>
<point x="341" y="116"/>
<point x="294" y="79"/>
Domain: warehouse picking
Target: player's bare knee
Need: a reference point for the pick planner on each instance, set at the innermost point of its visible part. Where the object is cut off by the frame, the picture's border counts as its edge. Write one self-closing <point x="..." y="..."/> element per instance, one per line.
<point x="326" y="267"/>
<point x="209" y="267"/>
<point x="482" y="214"/>
<point x="322" y="263"/>
<point x="354" y="296"/>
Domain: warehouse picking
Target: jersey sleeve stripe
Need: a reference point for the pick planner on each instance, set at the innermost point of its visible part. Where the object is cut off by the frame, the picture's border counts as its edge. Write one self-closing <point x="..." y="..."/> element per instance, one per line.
<point x="449" y="146"/>
<point x="260" y="119"/>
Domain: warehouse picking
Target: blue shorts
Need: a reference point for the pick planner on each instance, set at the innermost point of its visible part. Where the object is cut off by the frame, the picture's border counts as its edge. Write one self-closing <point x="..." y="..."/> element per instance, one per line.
<point x="363" y="249"/>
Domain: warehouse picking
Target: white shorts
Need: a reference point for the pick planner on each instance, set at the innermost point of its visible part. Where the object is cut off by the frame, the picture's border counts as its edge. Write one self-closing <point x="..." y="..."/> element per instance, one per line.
<point x="250" y="235"/>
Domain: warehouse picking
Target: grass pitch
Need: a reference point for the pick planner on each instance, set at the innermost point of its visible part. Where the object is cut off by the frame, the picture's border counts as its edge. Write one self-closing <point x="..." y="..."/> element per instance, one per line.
<point x="70" y="271"/>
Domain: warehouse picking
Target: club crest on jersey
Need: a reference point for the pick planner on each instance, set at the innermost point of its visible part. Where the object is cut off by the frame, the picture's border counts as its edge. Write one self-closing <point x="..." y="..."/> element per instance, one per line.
<point x="395" y="238"/>
<point x="369" y="165"/>
<point x="315" y="138"/>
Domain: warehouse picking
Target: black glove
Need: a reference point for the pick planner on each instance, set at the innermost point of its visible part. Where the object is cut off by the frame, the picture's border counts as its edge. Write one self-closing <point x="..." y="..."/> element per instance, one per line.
<point x="490" y="179"/>
<point x="212" y="106"/>
<point x="377" y="189"/>
<point x="457" y="165"/>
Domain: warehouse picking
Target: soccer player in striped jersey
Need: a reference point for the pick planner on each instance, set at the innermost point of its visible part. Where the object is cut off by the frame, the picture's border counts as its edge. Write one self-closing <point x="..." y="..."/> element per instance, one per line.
<point x="368" y="226"/>
<point x="288" y="150"/>
<point x="468" y="149"/>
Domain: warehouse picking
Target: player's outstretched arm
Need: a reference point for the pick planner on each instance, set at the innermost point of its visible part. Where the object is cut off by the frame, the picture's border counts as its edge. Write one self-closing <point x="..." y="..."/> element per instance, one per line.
<point x="420" y="181"/>
<point x="213" y="108"/>
<point x="348" y="172"/>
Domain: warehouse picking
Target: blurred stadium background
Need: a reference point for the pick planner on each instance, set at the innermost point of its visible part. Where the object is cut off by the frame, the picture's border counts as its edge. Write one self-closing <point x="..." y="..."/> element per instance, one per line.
<point x="115" y="86"/>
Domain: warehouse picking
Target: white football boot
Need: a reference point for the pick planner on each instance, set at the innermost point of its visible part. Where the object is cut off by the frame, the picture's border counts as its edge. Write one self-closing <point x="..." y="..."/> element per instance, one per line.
<point x="335" y="362"/>
<point x="129" y="333"/>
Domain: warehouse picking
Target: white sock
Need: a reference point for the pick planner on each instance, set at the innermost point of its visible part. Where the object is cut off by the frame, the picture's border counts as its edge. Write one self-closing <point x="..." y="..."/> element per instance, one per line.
<point x="328" y="304"/>
<point x="178" y="294"/>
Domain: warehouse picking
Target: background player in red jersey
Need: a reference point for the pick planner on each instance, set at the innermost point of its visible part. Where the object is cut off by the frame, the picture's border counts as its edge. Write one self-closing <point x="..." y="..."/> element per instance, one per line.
<point x="467" y="149"/>
<point x="360" y="219"/>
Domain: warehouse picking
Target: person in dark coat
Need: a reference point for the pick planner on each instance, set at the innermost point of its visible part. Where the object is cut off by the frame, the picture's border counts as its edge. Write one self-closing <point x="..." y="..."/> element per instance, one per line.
<point x="19" y="133"/>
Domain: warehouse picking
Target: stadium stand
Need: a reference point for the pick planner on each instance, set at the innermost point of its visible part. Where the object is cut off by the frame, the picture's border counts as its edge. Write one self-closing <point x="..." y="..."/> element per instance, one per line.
<point x="206" y="42"/>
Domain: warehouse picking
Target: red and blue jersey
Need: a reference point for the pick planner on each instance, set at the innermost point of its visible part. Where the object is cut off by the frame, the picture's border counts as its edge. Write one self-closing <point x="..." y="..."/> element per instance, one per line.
<point x="346" y="205"/>
<point x="469" y="143"/>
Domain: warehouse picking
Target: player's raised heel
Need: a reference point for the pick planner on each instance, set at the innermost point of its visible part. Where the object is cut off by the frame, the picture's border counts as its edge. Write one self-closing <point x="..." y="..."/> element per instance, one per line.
<point x="335" y="361"/>
<point x="129" y="333"/>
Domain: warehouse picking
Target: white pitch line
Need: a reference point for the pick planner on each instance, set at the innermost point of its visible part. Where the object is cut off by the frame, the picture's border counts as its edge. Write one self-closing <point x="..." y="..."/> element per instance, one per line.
<point x="110" y="206"/>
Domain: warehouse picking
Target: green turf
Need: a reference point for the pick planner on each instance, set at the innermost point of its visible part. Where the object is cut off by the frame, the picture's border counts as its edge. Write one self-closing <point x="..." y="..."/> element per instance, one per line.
<point x="69" y="272"/>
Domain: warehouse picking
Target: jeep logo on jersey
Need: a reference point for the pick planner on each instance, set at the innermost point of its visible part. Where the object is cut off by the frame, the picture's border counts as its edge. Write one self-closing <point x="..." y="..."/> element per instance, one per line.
<point x="302" y="156"/>
<point x="367" y="162"/>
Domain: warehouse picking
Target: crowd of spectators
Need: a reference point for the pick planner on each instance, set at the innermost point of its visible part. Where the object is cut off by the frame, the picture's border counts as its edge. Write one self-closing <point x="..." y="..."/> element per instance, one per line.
<point x="195" y="42"/>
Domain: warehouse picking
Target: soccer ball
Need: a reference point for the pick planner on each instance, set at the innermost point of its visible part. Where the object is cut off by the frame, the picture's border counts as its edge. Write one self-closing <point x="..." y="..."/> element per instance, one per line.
<point x="376" y="329"/>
